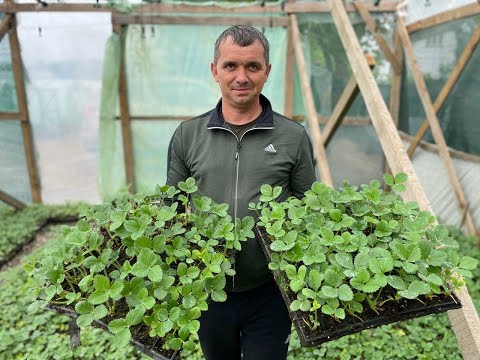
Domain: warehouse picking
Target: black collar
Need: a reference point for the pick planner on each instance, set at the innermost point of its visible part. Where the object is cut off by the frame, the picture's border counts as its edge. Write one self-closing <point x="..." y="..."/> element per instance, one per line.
<point x="265" y="119"/>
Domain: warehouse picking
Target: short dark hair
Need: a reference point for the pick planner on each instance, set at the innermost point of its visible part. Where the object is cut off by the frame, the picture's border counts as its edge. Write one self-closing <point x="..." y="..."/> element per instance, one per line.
<point x="242" y="36"/>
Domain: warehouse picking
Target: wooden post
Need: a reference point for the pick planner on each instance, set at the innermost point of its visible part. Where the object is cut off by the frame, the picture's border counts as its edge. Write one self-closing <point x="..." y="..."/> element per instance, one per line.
<point x="382" y="43"/>
<point x="465" y="321"/>
<point x="346" y="100"/>
<point x="5" y="25"/>
<point x="395" y="89"/>
<point x="289" y="75"/>
<point x="434" y="124"/>
<point x="447" y="88"/>
<point x="17" y="204"/>
<point x="318" y="148"/>
<point x="125" y="114"/>
<point x="17" y="67"/>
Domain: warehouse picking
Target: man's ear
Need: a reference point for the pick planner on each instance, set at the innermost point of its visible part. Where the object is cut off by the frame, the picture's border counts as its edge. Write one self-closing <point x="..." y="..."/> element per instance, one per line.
<point x="267" y="72"/>
<point x="213" y="69"/>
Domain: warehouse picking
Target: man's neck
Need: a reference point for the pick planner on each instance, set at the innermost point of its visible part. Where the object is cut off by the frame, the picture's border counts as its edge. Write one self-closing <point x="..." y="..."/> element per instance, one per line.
<point x="240" y="116"/>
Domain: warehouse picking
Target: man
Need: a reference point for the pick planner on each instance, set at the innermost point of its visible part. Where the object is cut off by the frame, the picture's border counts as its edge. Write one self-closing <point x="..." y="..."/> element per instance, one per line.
<point x="231" y="151"/>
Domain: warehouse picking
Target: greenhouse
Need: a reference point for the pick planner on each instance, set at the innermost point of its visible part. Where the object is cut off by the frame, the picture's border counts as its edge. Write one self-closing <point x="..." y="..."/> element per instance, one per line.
<point x="93" y="95"/>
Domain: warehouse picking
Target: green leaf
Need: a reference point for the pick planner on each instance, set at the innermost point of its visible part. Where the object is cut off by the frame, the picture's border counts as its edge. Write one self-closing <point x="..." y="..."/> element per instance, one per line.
<point x="118" y="325"/>
<point x="345" y="293"/>
<point x="155" y="274"/>
<point x="194" y="326"/>
<point x="98" y="297"/>
<point x="175" y="344"/>
<point x="314" y="279"/>
<point x="388" y="179"/>
<point x="401" y="178"/>
<point x="100" y="312"/>
<point x="134" y="317"/>
<point x="189" y="301"/>
<point x="101" y="282"/>
<point x="83" y="307"/>
<point x="122" y="338"/>
<point x="84" y="320"/>
<point x="468" y="263"/>
<point x="329" y="292"/>
<point x="396" y="282"/>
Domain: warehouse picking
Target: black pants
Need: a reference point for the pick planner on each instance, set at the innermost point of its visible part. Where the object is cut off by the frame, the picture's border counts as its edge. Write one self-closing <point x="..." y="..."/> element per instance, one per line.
<point x="254" y="323"/>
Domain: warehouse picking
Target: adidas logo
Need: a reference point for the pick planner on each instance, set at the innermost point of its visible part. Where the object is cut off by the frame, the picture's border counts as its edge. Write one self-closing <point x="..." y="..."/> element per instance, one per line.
<point x="270" y="149"/>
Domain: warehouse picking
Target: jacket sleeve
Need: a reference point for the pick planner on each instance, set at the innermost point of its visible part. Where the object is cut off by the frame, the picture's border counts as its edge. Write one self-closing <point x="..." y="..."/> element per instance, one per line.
<point x="303" y="174"/>
<point x="177" y="169"/>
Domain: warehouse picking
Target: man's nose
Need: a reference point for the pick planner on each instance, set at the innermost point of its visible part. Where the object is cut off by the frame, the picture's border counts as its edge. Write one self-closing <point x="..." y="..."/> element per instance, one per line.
<point x="241" y="77"/>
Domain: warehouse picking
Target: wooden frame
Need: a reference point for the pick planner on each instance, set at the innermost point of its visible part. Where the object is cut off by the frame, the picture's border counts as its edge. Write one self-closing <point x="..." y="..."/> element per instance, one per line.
<point x="464" y="321"/>
<point x="444" y="17"/>
<point x="289" y="75"/>
<point x="434" y="124"/>
<point x="11" y="116"/>
<point x="318" y="148"/>
<point x="289" y="7"/>
<point x="192" y="20"/>
<point x="17" y="68"/>
<point x="125" y="114"/>
<point x="10" y="200"/>
<point x="5" y="25"/>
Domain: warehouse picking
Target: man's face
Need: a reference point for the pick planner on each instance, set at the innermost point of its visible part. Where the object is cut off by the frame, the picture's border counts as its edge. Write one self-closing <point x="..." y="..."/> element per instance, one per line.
<point x="241" y="73"/>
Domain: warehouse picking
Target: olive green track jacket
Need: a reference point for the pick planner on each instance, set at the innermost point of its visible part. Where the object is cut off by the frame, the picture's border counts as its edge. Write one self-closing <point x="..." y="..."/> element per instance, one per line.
<point x="276" y="151"/>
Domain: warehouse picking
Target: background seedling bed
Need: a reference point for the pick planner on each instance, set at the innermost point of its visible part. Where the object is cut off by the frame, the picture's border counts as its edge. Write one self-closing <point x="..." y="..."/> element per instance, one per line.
<point x="150" y="346"/>
<point x="51" y="221"/>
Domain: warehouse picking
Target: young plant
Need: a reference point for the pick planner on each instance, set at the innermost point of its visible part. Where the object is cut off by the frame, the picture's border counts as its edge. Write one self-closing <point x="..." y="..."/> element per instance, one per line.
<point x="146" y="266"/>
<point x="342" y="252"/>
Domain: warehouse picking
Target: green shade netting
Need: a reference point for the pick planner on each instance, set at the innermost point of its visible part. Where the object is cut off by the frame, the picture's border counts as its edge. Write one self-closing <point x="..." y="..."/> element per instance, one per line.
<point x="459" y="115"/>
<point x="8" y="96"/>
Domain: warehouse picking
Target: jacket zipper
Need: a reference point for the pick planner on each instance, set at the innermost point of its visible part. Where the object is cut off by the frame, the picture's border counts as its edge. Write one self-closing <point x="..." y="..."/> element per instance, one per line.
<point x="237" y="159"/>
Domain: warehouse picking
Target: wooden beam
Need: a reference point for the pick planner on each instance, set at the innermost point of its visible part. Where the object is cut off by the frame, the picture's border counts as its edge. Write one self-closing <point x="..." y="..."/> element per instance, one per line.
<point x="17" y="68"/>
<point x="382" y="43"/>
<point x="465" y="321"/>
<point x="344" y="103"/>
<point x="324" y="7"/>
<point x="447" y="88"/>
<point x="197" y="20"/>
<point x="208" y="9"/>
<point x="434" y="123"/>
<point x="318" y="148"/>
<point x="395" y="90"/>
<point x="457" y="154"/>
<point x="180" y="8"/>
<point x="446" y="16"/>
<point x="11" y="7"/>
<point x="10" y="200"/>
<point x="396" y="83"/>
<point x="125" y="116"/>
<point x="289" y="75"/>
<point x="159" y="117"/>
<point x="11" y="116"/>
<point x="5" y="25"/>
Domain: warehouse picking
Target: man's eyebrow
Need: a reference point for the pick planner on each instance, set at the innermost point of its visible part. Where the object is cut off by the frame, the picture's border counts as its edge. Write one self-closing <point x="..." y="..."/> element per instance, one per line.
<point x="228" y="62"/>
<point x="256" y="63"/>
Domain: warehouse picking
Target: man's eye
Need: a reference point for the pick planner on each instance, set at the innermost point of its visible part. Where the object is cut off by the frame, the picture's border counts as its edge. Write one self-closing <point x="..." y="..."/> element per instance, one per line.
<point x="253" y="67"/>
<point x="230" y="66"/>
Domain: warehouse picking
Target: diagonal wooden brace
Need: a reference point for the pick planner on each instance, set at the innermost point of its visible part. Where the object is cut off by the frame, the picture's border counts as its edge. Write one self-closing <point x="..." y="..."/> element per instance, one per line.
<point x="344" y="103"/>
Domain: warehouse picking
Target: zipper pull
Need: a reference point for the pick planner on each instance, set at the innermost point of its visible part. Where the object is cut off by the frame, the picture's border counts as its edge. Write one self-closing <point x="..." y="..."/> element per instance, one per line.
<point x="238" y="149"/>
